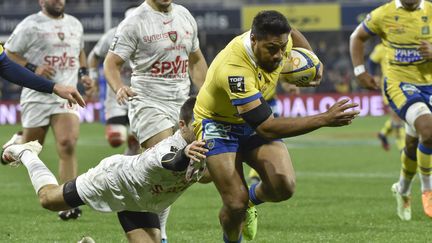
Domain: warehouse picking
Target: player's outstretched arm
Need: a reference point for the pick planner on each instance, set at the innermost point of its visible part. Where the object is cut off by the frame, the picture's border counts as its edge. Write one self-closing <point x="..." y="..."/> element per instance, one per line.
<point x="112" y="67"/>
<point x="69" y="93"/>
<point x="357" y="42"/>
<point x="259" y="115"/>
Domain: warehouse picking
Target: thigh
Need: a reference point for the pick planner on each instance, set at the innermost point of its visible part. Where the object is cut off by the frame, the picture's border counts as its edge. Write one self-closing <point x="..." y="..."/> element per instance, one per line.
<point x="35" y="133"/>
<point x="226" y="171"/>
<point x="65" y="126"/>
<point x="272" y="162"/>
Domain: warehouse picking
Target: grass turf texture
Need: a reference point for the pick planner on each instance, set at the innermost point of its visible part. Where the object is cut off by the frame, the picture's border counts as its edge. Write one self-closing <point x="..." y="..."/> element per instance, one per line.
<point x="343" y="194"/>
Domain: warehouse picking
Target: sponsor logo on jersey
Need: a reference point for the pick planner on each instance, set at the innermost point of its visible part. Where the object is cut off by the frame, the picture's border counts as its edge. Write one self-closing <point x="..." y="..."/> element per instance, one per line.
<point x="425" y="30"/>
<point x="167" y="22"/>
<point x="407" y="55"/>
<point x="61" y="35"/>
<point x="170" y="69"/>
<point x="216" y="130"/>
<point x="409" y="89"/>
<point x="173" y="36"/>
<point x="236" y="84"/>
<point x="61" y="62"/>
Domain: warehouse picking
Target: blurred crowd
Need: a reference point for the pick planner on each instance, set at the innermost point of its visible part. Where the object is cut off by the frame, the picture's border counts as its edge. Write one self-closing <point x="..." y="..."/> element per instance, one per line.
<point x="330" y="47"/>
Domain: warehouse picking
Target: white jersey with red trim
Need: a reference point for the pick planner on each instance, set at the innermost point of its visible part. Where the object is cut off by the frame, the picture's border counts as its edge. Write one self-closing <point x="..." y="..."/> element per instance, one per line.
<point x="158" y="46"/>
<point x="135" y="183"/>
<point x="54" y="42"/>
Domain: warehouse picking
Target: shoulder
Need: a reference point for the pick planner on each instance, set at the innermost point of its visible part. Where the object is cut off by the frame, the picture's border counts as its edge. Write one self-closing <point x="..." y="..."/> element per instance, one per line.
<point x="72" y="20"/>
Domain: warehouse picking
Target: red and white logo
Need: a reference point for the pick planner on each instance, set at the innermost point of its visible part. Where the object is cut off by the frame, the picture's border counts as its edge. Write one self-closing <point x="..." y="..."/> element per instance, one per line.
<point x="61" y="35"/>
<point x="173" y="36"/>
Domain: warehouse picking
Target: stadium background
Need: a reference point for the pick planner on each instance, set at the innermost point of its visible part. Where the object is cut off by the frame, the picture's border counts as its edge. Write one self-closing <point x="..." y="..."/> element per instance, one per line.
<point x="326" y="24"/>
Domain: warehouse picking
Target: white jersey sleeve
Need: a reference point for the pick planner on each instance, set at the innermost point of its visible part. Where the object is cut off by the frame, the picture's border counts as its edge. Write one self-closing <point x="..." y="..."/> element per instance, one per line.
<point x="22" y="37"/>
<point x="125" y="40"/>
<point x="195" y="40"/>
<point x="102" y="46"/>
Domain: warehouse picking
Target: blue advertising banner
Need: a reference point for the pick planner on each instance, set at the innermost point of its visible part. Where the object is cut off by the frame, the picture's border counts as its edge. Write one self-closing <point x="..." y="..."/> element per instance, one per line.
<point x="352" y="15"/>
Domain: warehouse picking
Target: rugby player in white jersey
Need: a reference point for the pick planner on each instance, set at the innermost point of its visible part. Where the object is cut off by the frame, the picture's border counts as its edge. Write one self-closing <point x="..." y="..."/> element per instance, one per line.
<point x="117" y="121"/>
<point x="50" y="43"/>
<point x="148" y="182"/>
<point x="160" y="39"/>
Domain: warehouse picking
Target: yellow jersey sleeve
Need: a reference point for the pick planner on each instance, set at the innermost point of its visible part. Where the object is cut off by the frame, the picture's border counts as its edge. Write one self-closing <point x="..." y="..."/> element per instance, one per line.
<point x="372" y="22"/>
<point x="239" y="84"/>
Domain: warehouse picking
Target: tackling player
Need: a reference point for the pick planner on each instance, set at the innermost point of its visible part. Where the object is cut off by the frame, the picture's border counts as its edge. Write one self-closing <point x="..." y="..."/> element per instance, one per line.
<point x="117" y="121"/>
<point x="160" y="39"/>
<point x="148" y="182"/>
<point x="50" y="43"/>
<point x="405" y="30"/>
<point x="234" y="118"/>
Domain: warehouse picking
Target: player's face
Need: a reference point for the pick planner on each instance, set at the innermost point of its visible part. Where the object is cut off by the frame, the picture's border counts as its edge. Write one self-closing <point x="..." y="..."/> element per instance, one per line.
<point x="410" y="4"/>
<point x="54" y="8"/>
<point x="270" y="50"/>
<point x="187" y="131"/>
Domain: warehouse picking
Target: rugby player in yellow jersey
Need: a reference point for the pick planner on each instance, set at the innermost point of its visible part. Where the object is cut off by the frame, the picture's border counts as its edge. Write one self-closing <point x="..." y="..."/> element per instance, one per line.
<point x="393" y="123"/>
<point x="17" y="74"/>
<point x="232" y="115"/>
<point x="405" y="30"/>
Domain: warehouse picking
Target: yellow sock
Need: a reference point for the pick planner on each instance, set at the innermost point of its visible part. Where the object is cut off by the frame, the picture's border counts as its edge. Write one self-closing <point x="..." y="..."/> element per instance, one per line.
<point x="408" y="171"/>
<point x="424" y="157"/>
<point x="253" y="173"/>
<point x="387" y="127"/>
<point x="400" y="138"/>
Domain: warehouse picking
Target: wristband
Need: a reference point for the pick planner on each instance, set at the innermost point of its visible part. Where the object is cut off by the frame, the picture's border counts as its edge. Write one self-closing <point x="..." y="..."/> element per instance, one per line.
<point x="31" y="67"/>
<point x="82" y="71"/>
<point x="359" y="70"/>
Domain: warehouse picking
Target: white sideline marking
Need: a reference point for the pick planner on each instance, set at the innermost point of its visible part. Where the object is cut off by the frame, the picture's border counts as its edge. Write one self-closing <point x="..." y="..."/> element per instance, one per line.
<point x="379" y="175"/>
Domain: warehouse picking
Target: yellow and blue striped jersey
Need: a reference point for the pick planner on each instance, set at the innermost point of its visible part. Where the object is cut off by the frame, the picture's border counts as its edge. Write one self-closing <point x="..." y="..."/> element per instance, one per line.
<point x="233" y="79"/>
<point x="401" y="32"/>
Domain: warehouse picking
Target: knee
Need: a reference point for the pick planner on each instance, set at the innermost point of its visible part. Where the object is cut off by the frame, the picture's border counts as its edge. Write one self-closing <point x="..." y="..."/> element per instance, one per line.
<point x="283" y="190"/>
<point x="45" y="201"/>
<point x="67" y="144"/>
<point x="116" y="134"/>
<point x="237" y="204"/>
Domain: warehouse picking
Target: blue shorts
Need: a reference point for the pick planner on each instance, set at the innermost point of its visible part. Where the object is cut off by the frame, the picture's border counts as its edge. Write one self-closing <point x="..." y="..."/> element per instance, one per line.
<point x="401" y="95"/>
<point x="226" y="137"/>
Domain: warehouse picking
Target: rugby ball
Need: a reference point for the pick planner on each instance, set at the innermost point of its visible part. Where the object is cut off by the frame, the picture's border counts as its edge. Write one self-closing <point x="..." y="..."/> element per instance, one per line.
<point x="301" y="67"/>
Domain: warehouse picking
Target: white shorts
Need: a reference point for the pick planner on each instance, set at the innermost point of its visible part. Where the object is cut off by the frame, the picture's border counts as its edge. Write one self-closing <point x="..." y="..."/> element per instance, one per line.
<point x="98" y="187"/>
<point x="112" y="107"/>
<point x="39" y="114"/>
<point x="148" y="118"/>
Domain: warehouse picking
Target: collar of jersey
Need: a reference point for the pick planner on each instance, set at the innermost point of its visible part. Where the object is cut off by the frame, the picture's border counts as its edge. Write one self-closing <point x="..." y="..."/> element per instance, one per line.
<point x="248" y="46"/>
<point x="399" y="4"/>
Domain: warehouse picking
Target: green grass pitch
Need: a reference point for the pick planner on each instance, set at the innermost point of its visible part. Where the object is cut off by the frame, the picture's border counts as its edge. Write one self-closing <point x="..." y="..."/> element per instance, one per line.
<point x="343" y="195"/>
